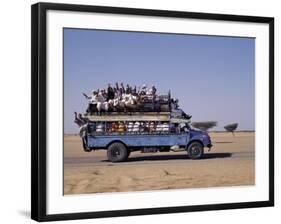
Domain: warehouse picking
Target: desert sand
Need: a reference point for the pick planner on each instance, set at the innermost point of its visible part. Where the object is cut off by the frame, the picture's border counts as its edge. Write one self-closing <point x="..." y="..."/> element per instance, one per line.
<point x="231" y="162"/>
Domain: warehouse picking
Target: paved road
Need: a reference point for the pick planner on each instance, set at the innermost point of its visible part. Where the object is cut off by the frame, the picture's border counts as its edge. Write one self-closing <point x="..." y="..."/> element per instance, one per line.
<point x="99" y="158"/>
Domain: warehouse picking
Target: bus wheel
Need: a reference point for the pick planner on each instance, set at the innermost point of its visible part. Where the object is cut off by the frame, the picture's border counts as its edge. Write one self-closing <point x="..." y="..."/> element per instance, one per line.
<point x="195" y="150"/>
<point x="117" y="152"/>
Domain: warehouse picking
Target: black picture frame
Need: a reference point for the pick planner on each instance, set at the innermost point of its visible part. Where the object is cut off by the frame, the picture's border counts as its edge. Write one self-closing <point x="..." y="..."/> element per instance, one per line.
<point x="39" y="114"/>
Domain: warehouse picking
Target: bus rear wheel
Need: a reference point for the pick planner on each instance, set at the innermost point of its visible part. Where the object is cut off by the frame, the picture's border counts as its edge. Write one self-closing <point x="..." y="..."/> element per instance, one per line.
<point x="117" y="152"/>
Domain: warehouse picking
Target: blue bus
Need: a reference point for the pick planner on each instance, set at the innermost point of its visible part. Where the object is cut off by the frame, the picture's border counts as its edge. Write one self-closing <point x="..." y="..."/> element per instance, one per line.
<point x="119" y="143"/>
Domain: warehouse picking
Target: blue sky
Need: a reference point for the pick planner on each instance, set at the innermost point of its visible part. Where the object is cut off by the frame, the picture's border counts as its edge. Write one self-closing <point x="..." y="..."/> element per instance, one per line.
<point x="213" y="77"/>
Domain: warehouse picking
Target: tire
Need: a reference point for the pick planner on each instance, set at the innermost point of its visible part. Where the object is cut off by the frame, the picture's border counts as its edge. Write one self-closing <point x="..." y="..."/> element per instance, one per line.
<point x="117" y="152"/>
<point x="195" y="150"/>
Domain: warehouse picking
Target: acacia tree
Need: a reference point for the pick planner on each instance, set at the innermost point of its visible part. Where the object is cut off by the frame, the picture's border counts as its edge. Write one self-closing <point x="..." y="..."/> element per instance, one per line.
<point x="231" y="127"/>
<point x="204" y="125"/>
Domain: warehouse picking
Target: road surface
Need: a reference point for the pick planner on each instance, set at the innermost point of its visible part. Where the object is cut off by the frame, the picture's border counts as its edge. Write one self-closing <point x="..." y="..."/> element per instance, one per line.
<point x="231" y="162"/>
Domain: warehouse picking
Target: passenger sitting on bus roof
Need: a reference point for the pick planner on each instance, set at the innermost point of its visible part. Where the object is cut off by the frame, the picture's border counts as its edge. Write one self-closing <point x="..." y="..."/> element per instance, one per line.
<point x="143" y="90"/>
<point x="127" y="89"/>
<point x="116" y="86"/>
<point x="110" y="93"/>
<point x="134" y="91"/>
<point x="122" y="88"/>
<point x="174" y="104"/>
<point x="100" y="97"/>
<point x="92" y="98"/>
<point x="151" y="91"/>
<point x="92" y="101"/>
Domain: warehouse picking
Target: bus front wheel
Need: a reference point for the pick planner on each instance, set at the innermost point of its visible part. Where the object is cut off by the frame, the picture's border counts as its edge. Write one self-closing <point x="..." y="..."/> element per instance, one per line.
<point x="195" y="150"/>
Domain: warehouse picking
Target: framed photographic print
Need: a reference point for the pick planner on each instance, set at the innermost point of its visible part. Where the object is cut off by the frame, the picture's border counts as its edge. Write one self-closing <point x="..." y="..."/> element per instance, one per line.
<point x="139" y="111"/>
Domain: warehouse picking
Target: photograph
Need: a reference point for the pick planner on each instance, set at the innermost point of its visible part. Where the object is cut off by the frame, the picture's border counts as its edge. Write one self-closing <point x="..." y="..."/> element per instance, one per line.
<point x="151" y="111"/>
<point x="134" y="105"/>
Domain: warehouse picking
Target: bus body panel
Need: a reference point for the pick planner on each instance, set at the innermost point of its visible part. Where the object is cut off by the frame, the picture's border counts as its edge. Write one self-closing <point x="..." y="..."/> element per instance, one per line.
<point x="138" y="140"/>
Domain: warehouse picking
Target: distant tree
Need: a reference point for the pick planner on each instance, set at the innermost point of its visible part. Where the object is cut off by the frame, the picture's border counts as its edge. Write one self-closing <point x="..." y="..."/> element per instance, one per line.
<point x="204" y="125"/>
<point x="231" y="127"/>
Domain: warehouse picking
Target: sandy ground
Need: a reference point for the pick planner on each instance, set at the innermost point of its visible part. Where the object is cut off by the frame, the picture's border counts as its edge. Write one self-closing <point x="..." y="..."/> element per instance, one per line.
<point x="231" y="162"/>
